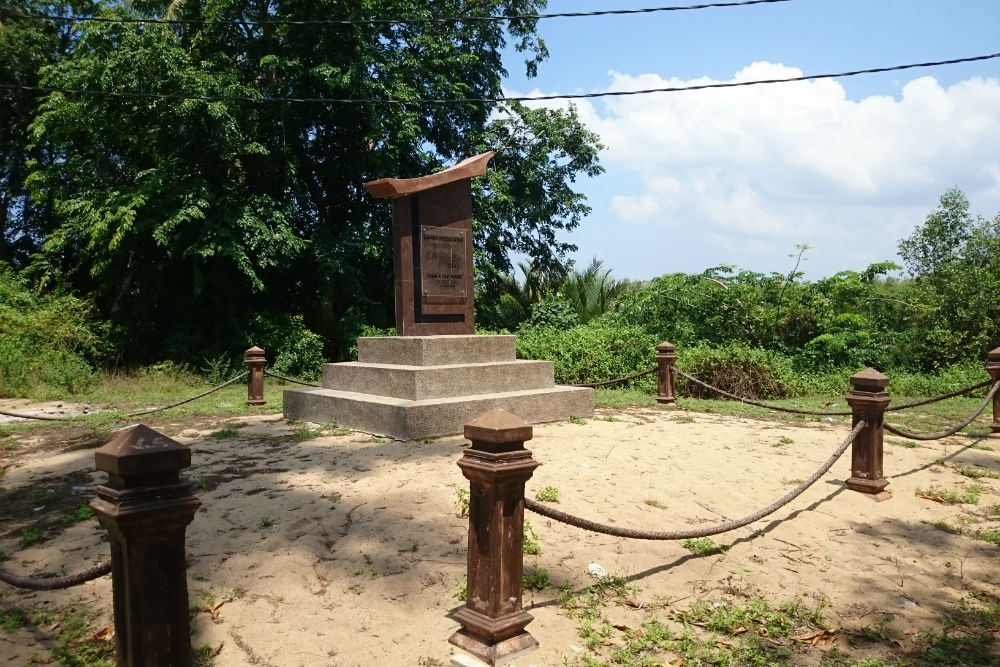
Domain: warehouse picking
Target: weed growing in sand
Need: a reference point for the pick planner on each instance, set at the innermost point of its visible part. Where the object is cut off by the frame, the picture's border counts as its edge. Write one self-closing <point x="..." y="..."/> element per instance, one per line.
<point x="549" y="494"/>
<point x="967" y="495"/>
<point x="265" y="522"/>
<point x="682" y="419"/>
<point x="535" y="578"/>
<point x="79" y="645"/>
<point x="946" y="527"/>
<point x="906" y="444"/>
<point x="578" y="420"/>
<point x="653" y="502"/>
<point x="303" y="433"/>
<point x="334" y="428"/>
<point x="703" y="547"/>
<point x="29" y="536"/>
<point x="81" y="513"/>
<point x="11" y="620"/>
<point x="224" y="433"/>
<point x="531" y="545"/>
<point x="606" y="418"/>
<point x="782" y="441"/>
<point x="991" y="536"/>
<point x="204" y="655"/>
<point x="462" y="590"/>
<point x="462" y="502"/>
<point x="976" y="472"/>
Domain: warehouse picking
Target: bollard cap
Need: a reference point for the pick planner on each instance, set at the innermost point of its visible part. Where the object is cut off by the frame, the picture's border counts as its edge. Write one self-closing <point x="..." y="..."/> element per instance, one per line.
<point x="498" y="427"/>
<point x="993" y="356"/>
<point x="142" y="452"/>
<point x="666" y="346"/>
<point x="254" y="353"/>
<point x="869" y="380"/>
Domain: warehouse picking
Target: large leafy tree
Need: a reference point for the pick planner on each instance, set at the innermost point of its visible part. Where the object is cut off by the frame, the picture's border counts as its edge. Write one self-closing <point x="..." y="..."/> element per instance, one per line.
<point x="191" y="205"/>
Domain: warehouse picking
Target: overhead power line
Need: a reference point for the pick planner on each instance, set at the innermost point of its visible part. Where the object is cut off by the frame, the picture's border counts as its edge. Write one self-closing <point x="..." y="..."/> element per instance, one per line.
<point x="394" y="21"/>
<point x="491" y="100"/>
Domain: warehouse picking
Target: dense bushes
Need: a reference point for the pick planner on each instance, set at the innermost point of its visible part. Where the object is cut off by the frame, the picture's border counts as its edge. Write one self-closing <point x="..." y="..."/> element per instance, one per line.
<point x="48" y="343"/>
<point x="590" y="353"/>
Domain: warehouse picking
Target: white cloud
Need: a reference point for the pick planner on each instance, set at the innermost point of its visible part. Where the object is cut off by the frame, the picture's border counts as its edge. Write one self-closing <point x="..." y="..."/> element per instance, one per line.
<point x="752" y="171"/>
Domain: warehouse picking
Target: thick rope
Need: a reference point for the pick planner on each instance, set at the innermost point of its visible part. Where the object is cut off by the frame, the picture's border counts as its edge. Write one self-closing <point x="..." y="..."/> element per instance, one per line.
<point x="55" y="583"/>
<point x="837" y="413"/>
<point x="594" y="385"/>
<point x="141" y="412"/>
<point x="38" y="417"/>
<point x="193" y="398"/>
<point x="278" y="377"/>
<point x="928" y="401"/>
<point x="953" y="430"/>
<point x="618" y="531"/>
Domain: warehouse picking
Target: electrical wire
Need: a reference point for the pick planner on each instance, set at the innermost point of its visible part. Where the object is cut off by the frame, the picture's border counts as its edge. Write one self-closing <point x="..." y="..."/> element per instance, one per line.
<point x="381" y="21"/>
<point x="490" y="100"/>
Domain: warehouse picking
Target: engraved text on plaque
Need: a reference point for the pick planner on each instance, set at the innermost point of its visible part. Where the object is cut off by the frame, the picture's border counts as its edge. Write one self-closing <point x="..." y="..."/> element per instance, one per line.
<point x="442" y="263"/>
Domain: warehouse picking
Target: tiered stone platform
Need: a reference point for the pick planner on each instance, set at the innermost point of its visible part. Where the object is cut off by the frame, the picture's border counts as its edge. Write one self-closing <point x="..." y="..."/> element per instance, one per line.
<point x="413" y="387"/>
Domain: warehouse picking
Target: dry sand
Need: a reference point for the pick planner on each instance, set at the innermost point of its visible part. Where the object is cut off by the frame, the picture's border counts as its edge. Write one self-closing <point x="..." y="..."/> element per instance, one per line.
<point x="348" y="550"/>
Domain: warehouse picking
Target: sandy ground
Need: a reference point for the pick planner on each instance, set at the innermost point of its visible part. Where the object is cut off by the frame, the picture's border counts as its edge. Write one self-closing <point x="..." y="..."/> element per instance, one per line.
<point x="348" y="550"/>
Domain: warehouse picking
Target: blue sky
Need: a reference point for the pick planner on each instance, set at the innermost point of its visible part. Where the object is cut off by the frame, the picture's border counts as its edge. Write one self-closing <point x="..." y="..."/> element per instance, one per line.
<point x="848" y="166"/>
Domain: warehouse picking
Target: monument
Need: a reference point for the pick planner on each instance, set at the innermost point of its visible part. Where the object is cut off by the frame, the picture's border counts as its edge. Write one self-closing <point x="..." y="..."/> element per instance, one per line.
<point x="435" y="374"/>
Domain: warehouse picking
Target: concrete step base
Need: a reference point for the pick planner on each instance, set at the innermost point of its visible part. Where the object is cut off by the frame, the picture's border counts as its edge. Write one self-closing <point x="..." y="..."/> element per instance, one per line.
<point x="417" y="383"/>
<point x="428" y="418"/>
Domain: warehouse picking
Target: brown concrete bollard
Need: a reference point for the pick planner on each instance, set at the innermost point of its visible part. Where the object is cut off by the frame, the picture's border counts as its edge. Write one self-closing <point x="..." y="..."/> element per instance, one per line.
<point x="255" y="362"/>
<point x="993" y="368"/>
<point x="666" y="357"/>
<point x="868" y="400"/>
<point x="497" y="465"/>
<point x="146" y="507"/>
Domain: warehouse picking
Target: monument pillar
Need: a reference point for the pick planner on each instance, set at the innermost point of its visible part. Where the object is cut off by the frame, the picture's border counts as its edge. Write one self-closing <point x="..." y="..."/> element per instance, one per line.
<point x="432" y="248"/>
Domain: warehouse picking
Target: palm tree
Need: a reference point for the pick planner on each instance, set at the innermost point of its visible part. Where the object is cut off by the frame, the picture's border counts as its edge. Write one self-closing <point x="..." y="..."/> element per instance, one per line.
<point x="593" y="292"/>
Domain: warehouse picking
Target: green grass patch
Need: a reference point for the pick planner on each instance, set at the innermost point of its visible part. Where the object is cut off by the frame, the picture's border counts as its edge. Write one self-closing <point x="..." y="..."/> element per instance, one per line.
<point x="549" y="494"/>
<point x="966" y="495"/>
<point x="703" y="547"/>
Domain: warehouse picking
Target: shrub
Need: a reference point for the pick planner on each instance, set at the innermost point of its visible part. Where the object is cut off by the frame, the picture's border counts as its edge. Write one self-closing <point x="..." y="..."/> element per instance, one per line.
<point x="291" y="348"/>
<point x="47" y="341"/>
<point x="553" y="311"/>
<point x="738" y="369"/>
<point x="591" y="352"/>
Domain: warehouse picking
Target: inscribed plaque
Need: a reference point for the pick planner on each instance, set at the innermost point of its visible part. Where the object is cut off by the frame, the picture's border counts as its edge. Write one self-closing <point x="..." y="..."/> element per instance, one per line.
<point x="442" y="262"/>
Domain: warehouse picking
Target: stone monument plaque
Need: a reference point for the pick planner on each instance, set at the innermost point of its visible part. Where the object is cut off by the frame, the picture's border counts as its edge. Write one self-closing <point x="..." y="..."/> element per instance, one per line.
<point x="442" y="264"/>
<point x="432" y="248"/>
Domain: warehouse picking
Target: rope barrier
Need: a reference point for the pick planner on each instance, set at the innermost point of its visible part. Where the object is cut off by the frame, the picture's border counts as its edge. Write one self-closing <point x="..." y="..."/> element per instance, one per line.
<point x="748" y="401"/>
<point x="188" y="400"/>
<point x="55" y="583"/>
<point x="133" y="414"/>
<point x="594" y="385"/>
<point x="38" y="417"/>
<point x="617" y="531"/>
<point x="928" y="401"/>
<point x="278" y="377"/>
<point x="953" y="430"/>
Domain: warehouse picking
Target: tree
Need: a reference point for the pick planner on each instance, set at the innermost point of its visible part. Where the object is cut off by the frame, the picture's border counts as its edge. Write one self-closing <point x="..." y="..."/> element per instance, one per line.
<point x="184" y="214"/>
<point x="593" y="291"/>
<point x="942" y="236"/>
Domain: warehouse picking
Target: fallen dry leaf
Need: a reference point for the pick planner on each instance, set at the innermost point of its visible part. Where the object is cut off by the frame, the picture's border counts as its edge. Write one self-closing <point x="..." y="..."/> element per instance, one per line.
<point x="824" y="636"/>
<point x="636" y="604"/>
<point x="105" y="634"/>
<point x="925" y="496"/>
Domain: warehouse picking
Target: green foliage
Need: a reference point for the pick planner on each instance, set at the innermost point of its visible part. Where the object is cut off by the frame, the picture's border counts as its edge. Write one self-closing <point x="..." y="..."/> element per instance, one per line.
<point x="740" y="370"/>
<point x="182" y="218"/>
<point x="549" y="494"/>
<point x="535" y="578"/>
<point x="532" y="547"/>
<point x="11" y="620"/>
<point x="553" y="311"/>
<point x="290" y="347"/>
<point x="590" y="352"/>
<point x="47" y="341"/>
<point x="704" y="547"/>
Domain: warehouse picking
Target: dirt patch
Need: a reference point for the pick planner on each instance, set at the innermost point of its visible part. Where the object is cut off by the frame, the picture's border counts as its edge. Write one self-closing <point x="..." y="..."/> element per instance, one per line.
<point x="342" y="550"/>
